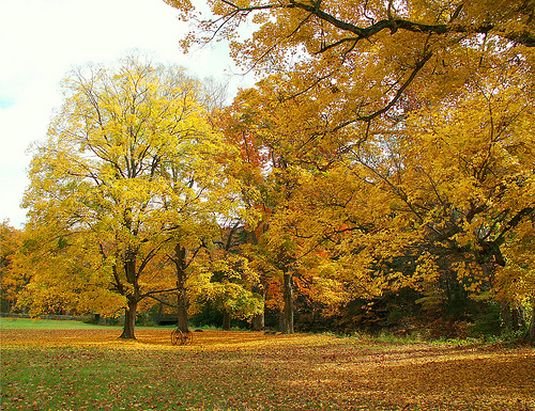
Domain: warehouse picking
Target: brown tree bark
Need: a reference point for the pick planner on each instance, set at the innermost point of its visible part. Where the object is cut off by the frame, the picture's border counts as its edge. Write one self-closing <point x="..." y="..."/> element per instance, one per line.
<point x="505" y="314"/>
<point x="518" y="321"/>
<point x="258" y="322"/>
<point x="132" y="300"/>
<point x="226" y="321"/>
<point x="182" y="312"/>
<point x="288" y="310"/>
<point x="530" y="335"/>
<point x="182" y="306"/>
<point x="129" y="320"/>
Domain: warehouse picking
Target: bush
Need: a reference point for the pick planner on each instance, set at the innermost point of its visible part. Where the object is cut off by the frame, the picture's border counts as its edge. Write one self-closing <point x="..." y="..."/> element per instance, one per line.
<point x="487" y="323"/>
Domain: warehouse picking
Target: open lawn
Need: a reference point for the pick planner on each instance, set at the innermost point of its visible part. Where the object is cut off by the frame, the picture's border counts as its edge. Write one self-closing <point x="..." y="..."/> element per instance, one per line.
<point x="8" y="323"/>
<point x="88" y="368"/>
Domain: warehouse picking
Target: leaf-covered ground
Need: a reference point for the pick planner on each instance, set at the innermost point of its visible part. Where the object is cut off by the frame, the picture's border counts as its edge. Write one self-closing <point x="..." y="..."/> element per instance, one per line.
<point x="91" y="369"/>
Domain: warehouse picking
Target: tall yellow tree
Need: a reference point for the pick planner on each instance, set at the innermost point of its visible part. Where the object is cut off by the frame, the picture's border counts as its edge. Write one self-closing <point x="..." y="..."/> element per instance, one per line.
<point x="128" y="153"/>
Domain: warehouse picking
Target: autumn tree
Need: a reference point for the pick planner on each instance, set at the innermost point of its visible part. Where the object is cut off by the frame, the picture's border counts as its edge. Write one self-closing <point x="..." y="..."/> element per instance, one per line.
<point x="365" y="21"/>
<point x="202" y="192"/>
<point x="123" y="159"/>
<point x="65" y="274"/>
<point x="347" y="90"/>
<point x="361" y="59"/>
<point x="11" y="279"/>
<point x="467" y="179"/>
<point x="514" y="283"/>
<point x="267" y="138"/>
<point x="436" y="198"/>
<point x="374" y="202"/>
<point x="229" y="287"/>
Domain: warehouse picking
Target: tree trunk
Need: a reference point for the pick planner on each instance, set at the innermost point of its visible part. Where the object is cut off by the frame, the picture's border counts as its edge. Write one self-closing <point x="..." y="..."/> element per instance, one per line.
<point x="226" y="321"/>
<point x="182" y="301"/>
<point x="182" y="314"/>
<point x="506" y="317"/>
<point x="258" y="322"/>
<point x="288" y="310"/>
<point x="282" y="321"/>
<point x="129" y="320"/>
<point x="530" y="336"/>
<point x="132" y="300"/>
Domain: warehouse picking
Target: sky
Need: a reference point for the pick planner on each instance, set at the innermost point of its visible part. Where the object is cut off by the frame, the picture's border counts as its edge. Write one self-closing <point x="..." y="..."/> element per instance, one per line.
<point x="42" y="40"/>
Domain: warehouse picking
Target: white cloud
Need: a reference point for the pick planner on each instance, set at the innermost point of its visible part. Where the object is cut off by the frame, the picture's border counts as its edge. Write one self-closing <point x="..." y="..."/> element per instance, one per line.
<point x="43" y="39"/>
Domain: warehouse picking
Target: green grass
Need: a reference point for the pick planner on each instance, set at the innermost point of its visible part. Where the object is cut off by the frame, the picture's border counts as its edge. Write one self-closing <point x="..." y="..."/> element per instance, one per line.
<point x="75" y="379"/>
<point x="38" y="324"/>
<point x="88" y="369"/>
<point x="9" y="323"/>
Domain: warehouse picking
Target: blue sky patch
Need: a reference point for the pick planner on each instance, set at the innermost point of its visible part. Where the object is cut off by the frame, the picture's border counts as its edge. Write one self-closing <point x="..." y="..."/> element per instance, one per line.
<point x="6" y="102"/>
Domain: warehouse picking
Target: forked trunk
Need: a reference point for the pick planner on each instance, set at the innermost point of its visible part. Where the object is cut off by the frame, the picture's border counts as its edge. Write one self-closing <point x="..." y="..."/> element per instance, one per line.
<point x="129" y="321"/>
<point x="288" y="310"/>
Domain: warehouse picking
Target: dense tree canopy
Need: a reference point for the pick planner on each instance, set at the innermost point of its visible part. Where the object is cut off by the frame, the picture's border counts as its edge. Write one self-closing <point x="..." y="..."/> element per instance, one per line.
<point x="364" y="57"/>
<point x="131" y="160"/>
<point x="395" y="133"/>
<point x="384" y="159"/>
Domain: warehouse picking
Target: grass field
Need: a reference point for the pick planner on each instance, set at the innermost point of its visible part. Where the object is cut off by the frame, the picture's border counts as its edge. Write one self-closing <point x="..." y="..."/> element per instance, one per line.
<point x="38" y="324"/>
<point x="88" y="368"/>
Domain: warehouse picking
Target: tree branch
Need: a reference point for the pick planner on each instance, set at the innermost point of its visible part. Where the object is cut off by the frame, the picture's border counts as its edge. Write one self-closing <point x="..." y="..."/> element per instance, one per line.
<point x="151" y="293"/>
<point x="392" y="24"/>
